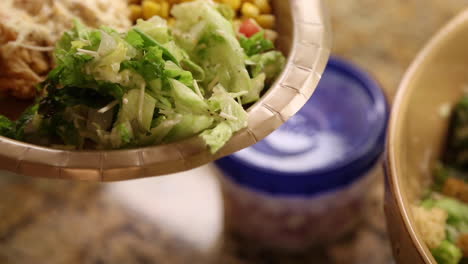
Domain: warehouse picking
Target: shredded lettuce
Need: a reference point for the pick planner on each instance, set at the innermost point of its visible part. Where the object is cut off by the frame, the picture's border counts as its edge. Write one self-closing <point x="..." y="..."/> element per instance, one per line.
<point x="156" y="28"/>
<point x="189" y="125"/>
<point x="153" y="84"/>
<point x="271" y="63"/>
<point x="122" y="135"/>
<point x="257" y="87"/>
<point x="233" y="118"/>
<point x="137" y="108"/>
<point x="211" y="42"/>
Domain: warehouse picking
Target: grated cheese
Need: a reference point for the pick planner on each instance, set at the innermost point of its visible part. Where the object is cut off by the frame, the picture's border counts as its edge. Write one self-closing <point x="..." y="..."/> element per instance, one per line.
<point x="88" y="52"/>
<point x="197" y="89"/>
<point x="228" y="116"/>
<point x="108" y="107"/>
<point x="55" y="17"/>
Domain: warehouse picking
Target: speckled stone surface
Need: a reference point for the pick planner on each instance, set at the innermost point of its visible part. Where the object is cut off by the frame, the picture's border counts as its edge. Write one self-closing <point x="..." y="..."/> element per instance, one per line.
<point x="383" y="37"/>
<point x="55" y="222"/>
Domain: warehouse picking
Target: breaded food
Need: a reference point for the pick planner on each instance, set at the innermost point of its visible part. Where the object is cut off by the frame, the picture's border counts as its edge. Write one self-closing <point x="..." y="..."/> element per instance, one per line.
<point x="30" y="28"/>
<point x="431" y="223"/>
<point x="462" y="243"/>
<point x="456" y="188"/>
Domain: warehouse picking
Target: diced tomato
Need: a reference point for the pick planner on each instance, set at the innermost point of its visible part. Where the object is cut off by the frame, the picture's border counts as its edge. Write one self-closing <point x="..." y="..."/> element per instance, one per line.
<point x="249" y="28"/>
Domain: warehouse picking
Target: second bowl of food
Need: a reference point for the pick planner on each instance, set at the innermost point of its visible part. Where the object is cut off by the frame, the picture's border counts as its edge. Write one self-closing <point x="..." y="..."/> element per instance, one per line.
<point x="426" y="194"/>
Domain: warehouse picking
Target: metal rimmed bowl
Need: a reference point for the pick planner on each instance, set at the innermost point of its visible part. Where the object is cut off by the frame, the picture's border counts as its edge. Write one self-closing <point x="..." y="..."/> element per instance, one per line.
<point x="437" y="79"/>
<point x="304" y="35"/>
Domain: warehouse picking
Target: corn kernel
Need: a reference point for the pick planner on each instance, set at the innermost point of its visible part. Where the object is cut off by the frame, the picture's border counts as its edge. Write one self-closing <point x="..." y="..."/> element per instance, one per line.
<point x="263" y="5"/>
<point x="234" y="4"/>
<point x="260" y="10"/>
<point x="249" y="10"/>
<point x="135" y="12"/>
<point x="165" y="9"/>
<point x="171" y="21"/>
<point x="150" y="9"/>
<point x="266" y="21"/>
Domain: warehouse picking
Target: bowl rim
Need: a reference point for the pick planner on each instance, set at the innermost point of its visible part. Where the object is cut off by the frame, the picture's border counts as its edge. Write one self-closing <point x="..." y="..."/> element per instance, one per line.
<point x="396" y="124"/>
<point x="310" y="35"/>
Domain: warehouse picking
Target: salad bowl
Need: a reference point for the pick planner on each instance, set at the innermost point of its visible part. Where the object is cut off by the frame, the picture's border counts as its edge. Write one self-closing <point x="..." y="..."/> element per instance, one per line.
<point x="304" y="36"/>
<point x="434" y="83"/>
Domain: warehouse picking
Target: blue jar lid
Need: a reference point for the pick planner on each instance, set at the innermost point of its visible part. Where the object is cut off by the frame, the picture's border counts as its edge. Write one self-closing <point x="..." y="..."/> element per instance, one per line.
<point x="333" y="140"/>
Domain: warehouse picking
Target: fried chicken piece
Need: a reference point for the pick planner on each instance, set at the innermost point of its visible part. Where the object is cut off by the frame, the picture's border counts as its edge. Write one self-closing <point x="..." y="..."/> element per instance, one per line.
<point x="20" y="68"/>
<point x="30" y="28"/>
<point x="462" y="243"/>
<point x="33" y="7"/>
<point x="21" y="71"/>
<point x="456" y="188"/>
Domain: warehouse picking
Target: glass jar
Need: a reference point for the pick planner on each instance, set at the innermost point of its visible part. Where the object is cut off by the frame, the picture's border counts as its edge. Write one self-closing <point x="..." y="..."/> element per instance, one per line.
<point x="306" y="183"/>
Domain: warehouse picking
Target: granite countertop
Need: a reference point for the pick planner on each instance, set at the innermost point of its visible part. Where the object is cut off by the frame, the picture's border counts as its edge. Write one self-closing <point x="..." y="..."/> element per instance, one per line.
<point x="178" y="219"/>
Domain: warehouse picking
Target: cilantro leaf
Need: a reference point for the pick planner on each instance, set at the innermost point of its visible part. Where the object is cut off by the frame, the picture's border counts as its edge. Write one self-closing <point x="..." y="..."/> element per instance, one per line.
<point x="151" y="42"/>
<point x="256" y="44"/>
<point x="24" y="119"/>
<point x="7" y="127"/>
<point x="150" y="66"/>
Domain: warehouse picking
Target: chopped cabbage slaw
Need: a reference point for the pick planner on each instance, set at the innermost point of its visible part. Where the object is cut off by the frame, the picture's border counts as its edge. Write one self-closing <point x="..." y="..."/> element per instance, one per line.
<point x="154" y="84"/>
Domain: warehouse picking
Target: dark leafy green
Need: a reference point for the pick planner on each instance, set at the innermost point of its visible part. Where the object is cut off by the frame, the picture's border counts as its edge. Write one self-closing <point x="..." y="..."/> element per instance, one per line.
<point x="7" y="127"/>
<point x="24" y="120"/>
<point x="456" y="153"/>
<point x="150" y="66"/>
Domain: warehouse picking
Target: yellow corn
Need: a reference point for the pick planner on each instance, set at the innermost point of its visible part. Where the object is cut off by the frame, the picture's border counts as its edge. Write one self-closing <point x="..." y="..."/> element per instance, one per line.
<point x="234" y="4"/>
<point x="150" y="9"/>
<point x="260" y="10"/>
<point x="165" y="9"/>
<point x="263" y="5"/>
<point x="135" y="12"/>
<point x="266" y="21"/>
<point x="250" y="10"/>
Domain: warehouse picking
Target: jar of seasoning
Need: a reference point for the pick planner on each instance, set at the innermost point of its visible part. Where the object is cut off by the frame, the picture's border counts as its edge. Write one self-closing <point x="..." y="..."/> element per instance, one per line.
<point x="306" y="183"/>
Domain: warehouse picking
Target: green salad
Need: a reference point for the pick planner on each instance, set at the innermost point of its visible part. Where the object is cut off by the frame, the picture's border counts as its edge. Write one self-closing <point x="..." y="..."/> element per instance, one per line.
<point x="151" y="85"/>
<point x="442" y="216"/>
